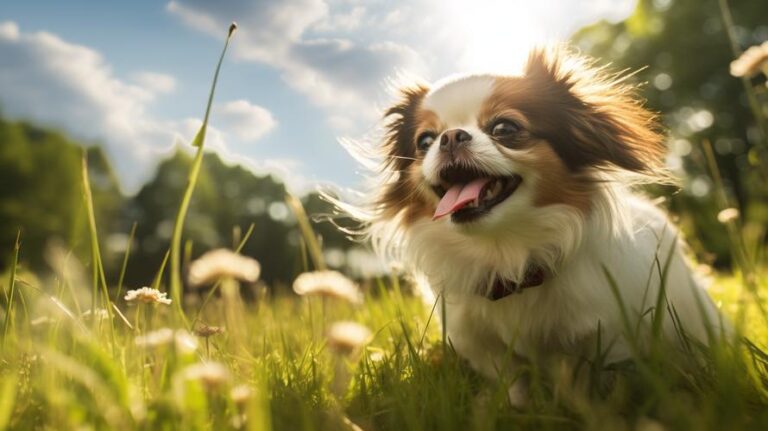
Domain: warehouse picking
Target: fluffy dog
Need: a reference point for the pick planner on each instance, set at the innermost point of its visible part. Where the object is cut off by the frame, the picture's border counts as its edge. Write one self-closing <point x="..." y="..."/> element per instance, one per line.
<point x="511" y="196"/>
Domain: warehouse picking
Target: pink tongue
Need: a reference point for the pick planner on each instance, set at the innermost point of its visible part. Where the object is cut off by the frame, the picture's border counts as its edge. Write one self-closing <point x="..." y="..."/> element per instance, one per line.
<point x="458" y="196"/>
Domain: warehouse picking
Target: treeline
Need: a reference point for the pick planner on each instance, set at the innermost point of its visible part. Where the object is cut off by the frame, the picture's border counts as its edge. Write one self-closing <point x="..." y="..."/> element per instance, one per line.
<point x="680" y="52"/>
<point x="41" y="196"/>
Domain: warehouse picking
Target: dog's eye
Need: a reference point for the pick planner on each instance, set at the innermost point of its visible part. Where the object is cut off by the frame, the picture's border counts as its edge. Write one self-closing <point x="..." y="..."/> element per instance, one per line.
<point x="425" y="140"/>
<point x="504" y="128"/>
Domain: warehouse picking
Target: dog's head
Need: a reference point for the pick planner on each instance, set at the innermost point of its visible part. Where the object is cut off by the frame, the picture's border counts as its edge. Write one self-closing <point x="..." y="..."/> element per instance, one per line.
<point x="476" y="151"/>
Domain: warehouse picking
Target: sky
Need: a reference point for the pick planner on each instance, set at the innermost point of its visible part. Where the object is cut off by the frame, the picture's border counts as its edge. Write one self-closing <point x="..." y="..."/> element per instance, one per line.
<point x="300" y="76"/>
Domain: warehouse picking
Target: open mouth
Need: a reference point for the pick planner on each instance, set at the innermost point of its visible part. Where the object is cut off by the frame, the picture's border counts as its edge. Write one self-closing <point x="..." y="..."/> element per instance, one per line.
<point x="468" y="194"/>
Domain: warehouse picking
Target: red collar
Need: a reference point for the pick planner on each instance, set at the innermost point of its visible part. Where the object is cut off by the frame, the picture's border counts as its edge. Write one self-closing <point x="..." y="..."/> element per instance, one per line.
<point x="503" y="288"/>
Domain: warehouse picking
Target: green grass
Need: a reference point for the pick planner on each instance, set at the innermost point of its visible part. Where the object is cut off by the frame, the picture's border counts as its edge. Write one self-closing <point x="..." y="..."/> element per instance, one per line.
<point x="65" y="373"/>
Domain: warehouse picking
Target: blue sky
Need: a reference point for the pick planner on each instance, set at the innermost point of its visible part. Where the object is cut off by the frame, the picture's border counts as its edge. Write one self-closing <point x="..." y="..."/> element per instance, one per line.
<point x="133" y="76"/>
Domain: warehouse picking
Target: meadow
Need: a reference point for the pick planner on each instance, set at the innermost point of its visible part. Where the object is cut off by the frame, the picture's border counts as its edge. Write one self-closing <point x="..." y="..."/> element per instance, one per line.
<point x="80" y="353"/>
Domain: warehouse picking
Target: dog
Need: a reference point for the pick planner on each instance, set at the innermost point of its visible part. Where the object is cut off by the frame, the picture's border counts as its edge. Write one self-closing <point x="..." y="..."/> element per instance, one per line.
<point x="511" y="197"/>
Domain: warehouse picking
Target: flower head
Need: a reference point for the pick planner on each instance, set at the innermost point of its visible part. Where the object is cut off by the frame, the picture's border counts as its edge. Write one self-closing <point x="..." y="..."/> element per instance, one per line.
<point x="728" y="215"/>
<point x="206" y="331"/>
<point x="346" y="337"/>
<point x="147" y="295"/>
<point x="155" y="338"/>
<point x="330" y="284"/>
<point x="240" y="394"/>
<point x="751" y="61"/>
<point x="100" y="313"/>
<point x="211" y="374"/>
<point x="222" y="263"/>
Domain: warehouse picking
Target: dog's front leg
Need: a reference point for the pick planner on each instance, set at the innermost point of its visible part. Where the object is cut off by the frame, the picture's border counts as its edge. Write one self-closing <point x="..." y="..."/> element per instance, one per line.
<point x="487" y="353"/>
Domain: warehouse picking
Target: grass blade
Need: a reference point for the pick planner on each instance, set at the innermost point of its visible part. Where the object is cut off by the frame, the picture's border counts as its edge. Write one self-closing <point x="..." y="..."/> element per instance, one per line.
<point x="194" y="172"/>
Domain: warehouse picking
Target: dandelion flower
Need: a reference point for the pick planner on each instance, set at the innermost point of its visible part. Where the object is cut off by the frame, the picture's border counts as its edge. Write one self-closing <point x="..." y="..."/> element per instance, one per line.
<point x="147" y="295"/>
<point x="155" y="338"/>
<point x="346" y="337"/>
<point x="206" y="331"/>
<point x="727" y="215"/>
<point x="240" y="394"/>
<point x="751" y="61"/>
<point x="222" y="263"/>
<point x="211" y="374"/>
<point x="330" y="284"/>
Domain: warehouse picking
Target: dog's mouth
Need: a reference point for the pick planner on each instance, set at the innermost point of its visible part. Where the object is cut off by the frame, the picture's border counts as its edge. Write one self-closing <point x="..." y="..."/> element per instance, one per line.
<point x="468" y="194"/>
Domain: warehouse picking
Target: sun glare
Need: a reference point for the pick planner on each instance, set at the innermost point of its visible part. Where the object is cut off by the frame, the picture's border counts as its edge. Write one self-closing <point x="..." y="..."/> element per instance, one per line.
<point x="494" y="36"/>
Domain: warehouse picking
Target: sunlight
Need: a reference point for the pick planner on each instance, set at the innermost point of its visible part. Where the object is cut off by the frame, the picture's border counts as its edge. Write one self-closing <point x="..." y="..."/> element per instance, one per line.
<point x="495" y="36"/>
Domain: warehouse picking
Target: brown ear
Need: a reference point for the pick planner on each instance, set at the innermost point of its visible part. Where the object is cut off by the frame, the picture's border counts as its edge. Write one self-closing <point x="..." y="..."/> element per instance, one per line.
<point x="399" y="150"/>
<point x="599" y="119"/>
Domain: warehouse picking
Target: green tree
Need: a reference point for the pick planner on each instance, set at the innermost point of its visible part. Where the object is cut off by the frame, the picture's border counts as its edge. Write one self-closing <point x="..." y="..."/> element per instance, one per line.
<point x="682" y="52"/>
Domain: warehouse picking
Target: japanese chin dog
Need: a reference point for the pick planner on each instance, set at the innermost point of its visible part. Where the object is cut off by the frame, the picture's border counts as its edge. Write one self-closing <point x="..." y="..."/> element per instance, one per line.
<point x="510" y="196"/>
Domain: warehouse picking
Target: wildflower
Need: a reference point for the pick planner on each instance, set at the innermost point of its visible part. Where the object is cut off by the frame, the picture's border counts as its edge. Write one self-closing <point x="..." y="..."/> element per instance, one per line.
<point x="328" y="284"/>
<point x="751" y="61"/>
<point x="100" y="313"/>
<point x="727" y="215"/>
<point x="206" y="331"/>
<point x="155" y="338"/>
<point x="346" y="337"/>
<point x="221" y="263"/>
<point x="147" y="295"/>
<point x="240" y="394"/>
<point x="185" y="342"/>
<point x="211" y="374"/>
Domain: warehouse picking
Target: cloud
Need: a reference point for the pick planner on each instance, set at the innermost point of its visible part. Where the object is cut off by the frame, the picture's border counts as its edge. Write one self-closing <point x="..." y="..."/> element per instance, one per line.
<point x="247" y="121"/>
<point x="60" y="84"/>
<point x="344" y="76"/>
<point x="155" y="82"/>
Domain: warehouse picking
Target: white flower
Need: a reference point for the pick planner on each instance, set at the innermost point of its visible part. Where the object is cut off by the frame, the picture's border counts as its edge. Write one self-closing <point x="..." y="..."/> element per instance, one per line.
<point x="211" y="374"/>
<point x="240" y="394"/>
<point x="751" y="61"/>
<point x="346" y="337"/>
<point x="147" y="295"/>
<point x="330" y="284"/>
<point x="185" y="342"/>
<point x="100" y="313"/>
<point x="155" y="338"/>
<point x="728" y="215"/>
<point x="221" y="263"/>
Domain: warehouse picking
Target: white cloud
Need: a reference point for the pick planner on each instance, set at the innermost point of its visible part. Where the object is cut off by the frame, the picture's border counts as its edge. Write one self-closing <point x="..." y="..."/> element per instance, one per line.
<point x="155" y="82"/>
<point x="247" y="121"/>
<point x="57" y="83"/>
<point x="345" y="77"/>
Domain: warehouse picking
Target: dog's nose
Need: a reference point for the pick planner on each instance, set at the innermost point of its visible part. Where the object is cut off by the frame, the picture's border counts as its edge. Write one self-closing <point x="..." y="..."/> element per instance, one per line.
<point x="454" y="139"/>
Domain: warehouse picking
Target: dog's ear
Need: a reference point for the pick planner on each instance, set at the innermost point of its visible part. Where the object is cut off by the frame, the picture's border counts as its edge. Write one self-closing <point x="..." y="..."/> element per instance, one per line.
<point x="606" y="122"/>
<point x="399" y="150"/>
<point x="400" y="127"/>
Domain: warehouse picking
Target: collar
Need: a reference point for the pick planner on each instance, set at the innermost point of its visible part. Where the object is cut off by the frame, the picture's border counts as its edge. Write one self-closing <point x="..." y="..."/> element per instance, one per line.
<point x="534" y="276"/>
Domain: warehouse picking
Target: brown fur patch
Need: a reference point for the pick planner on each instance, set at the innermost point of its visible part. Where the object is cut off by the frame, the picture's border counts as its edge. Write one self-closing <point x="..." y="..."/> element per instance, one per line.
<point x="556" y="184"/>
<point x="590" y="118"/>
<point x="403" y="190"/>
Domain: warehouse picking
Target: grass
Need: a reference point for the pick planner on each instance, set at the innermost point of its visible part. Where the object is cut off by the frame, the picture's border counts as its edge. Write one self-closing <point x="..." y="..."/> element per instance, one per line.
<point x="66" y="372"/>
<point x="75" y="355"/>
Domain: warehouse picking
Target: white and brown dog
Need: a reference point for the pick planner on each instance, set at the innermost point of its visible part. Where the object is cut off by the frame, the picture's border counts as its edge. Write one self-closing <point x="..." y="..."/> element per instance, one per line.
<point x="510" y="196"/>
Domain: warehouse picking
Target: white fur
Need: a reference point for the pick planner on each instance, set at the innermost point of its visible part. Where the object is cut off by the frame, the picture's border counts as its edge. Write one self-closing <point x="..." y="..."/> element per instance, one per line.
<point x="622" y="233"/>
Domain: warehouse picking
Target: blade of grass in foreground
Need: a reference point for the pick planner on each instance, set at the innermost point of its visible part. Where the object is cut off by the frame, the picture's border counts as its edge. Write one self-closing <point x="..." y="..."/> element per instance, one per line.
<point x="11" y="287"/>
<point x="98" y="268"/>
<point x="315" y="251"/>
<point x="199" y="142"/>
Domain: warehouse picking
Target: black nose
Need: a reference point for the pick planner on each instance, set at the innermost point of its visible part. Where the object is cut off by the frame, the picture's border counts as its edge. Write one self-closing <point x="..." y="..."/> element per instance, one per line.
<point x="454" y="139"/>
